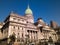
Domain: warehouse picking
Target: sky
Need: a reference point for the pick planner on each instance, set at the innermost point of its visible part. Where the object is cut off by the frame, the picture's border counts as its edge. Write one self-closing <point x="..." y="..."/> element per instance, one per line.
<point x="46" y="9"/>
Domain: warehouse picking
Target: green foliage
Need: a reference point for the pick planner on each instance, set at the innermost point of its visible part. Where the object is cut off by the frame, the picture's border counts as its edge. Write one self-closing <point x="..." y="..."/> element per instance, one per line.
<point x="12" y="38"/>
<point x="50" y="40"/>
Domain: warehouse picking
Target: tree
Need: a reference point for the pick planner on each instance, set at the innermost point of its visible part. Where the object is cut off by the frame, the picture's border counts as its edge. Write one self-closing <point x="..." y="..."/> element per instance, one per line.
<point x="12" y="37"/>
<point x="50" y="40"/>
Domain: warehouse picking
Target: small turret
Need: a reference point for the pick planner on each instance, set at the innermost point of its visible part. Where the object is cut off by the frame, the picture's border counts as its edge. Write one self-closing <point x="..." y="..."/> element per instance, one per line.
<point x="41" y="22"/>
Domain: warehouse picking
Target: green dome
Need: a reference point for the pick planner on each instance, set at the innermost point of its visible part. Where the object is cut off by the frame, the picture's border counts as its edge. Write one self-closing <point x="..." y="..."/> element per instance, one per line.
<point x="28" y="11"/>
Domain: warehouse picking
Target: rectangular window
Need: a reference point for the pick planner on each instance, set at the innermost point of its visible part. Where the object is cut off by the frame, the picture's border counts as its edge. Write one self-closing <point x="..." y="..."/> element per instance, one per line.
<point x="18" y="33"/>
<point x="18" y="19"/>
<point x="22" y="35"/>
<point x="14" y="27"/>
<point x="18" y="28"/>
<point x="22" y="28"/>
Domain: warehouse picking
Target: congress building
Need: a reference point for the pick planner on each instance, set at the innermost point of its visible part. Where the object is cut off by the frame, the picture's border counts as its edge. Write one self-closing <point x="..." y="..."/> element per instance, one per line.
<point x="24" y="27"/>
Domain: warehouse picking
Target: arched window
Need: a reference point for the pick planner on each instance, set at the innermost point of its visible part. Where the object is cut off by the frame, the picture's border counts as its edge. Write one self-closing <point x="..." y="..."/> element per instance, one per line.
<point x="14" y="27"/>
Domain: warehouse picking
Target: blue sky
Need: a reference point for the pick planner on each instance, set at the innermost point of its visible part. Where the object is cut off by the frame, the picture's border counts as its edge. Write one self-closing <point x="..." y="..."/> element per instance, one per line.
<point x="46" y="9"/>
